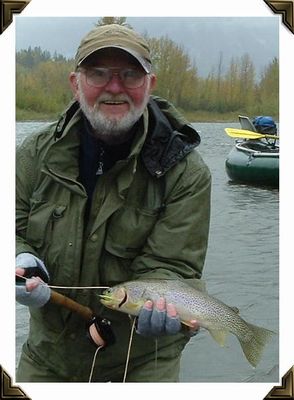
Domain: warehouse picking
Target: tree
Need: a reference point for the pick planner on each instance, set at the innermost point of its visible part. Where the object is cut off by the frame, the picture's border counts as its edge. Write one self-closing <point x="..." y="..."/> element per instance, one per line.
<point x="247" y="83"/>
<point x="174" y="71"/>
<point x="42" y="81"/>
<point x="232" y="86"/>
<point x="269" y="89"/>
<point x="44" y="87"/>
<point x="31" y="57"/>
<point x="113" y="20"/>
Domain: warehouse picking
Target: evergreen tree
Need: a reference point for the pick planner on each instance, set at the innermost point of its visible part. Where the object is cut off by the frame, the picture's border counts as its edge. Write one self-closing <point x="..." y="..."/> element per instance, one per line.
<point x="113" y="20"/>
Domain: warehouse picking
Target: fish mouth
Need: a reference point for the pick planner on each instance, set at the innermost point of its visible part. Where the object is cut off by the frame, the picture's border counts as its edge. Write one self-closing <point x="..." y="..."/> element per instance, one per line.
<point x="106" y="298"/>
<point x="109" y="300"/>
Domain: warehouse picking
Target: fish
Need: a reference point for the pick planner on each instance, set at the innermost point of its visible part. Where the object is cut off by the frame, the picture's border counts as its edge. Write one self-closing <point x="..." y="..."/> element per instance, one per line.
<point x="191" y="304"/>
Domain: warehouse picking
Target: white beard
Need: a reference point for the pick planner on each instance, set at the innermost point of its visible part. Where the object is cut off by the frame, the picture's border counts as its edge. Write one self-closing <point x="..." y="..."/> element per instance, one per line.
<point x="111" y="129"/>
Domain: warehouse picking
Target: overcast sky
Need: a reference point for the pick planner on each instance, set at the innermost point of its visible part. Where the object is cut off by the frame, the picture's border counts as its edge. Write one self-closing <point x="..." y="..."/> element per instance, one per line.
<point x="204" y="38"/>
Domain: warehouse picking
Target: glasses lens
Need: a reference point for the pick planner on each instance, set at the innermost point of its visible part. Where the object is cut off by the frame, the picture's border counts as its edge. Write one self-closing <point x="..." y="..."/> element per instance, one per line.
<point x="130" y="78"/>
<point x="98" y="77"/>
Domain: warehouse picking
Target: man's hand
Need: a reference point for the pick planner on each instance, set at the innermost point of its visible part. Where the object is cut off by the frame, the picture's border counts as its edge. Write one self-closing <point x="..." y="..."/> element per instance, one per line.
<point x="35" y="292"/>
<point x="161" y="319"/>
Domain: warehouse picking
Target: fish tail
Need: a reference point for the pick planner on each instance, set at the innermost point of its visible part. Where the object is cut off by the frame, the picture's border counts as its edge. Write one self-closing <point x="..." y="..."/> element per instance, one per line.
<point x="253" y="348"/>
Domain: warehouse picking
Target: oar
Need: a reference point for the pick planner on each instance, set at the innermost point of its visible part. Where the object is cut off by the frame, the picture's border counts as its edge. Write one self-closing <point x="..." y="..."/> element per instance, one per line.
<point x="244" y="134"/>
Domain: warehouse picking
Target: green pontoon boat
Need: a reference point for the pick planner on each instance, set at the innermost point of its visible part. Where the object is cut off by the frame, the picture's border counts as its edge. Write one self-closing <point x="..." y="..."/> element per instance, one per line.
<point x="254" y="158"/>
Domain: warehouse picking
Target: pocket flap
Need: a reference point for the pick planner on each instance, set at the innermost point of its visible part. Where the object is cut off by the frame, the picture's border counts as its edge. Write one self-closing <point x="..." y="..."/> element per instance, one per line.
<point x="119" y="250"/>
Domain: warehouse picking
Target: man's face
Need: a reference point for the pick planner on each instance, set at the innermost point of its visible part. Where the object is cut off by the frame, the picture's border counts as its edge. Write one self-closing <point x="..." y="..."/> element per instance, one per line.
<point x="113" y="108"/>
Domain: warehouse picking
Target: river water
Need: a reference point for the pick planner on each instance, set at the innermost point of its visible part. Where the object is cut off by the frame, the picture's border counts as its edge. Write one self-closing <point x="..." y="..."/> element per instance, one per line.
<point x="241" y="269"/>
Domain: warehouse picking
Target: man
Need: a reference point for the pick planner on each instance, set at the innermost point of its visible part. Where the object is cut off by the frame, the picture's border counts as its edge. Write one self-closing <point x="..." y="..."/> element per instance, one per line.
<point x="113" y="191"/>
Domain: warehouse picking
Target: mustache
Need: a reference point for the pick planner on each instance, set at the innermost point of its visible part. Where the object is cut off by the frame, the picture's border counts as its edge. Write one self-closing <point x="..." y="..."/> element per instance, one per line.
<point x="110" y="97"/>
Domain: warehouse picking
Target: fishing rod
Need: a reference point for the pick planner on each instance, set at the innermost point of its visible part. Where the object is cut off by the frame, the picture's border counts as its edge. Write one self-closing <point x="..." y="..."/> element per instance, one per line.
<point x="97" y="326"/>
<point x="60" y="299"/>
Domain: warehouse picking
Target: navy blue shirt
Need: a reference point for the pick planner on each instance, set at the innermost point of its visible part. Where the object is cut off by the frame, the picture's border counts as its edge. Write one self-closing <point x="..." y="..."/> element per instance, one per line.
<point x="96" y="158"/>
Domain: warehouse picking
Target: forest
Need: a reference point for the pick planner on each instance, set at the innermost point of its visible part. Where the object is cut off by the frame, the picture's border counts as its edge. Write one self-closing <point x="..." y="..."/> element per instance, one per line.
<point x="42" y="88"/>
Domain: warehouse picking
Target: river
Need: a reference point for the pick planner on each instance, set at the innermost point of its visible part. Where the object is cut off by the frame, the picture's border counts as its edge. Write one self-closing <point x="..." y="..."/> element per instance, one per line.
<point x="241" y="269"/>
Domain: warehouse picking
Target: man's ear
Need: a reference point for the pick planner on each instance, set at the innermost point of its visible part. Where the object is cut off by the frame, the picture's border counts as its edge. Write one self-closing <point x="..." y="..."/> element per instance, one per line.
<point x="73" y="81"/>
<point x="153" y="80"/>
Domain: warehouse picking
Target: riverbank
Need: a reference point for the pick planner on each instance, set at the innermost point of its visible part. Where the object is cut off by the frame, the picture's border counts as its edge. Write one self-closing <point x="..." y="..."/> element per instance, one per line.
<point x="205" y="116"/>
<point x="194" y="116"/>
<point x="22" y="115"/>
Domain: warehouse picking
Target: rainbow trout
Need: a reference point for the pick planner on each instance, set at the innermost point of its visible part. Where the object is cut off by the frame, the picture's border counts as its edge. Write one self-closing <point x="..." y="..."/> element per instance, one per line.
<point x="211" y="314"/>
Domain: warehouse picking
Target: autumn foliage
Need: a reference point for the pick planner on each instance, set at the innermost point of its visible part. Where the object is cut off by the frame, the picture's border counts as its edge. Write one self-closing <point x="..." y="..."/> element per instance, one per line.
<point x="42" y="82"/>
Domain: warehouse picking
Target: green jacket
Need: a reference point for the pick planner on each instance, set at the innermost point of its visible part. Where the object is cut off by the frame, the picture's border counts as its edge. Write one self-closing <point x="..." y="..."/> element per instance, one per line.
<point x="149" y="218"/>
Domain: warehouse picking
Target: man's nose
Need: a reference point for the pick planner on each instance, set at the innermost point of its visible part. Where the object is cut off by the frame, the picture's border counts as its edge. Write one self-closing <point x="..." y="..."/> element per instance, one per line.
<point x="115" y="84"/>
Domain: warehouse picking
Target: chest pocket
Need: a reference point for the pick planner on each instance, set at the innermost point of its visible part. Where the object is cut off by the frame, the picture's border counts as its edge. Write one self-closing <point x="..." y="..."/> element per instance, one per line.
<point x="128" y="230"/>
<point x="41" y="221"/>
<point x="131" y="225"/>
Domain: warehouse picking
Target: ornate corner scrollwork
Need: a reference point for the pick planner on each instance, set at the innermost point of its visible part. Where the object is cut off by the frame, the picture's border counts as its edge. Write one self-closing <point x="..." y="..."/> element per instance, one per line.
<point x="7" y="9"/>
<point x="286" y="390"/>
<point x="7" y="390"/>
<point x="286" y="9"/>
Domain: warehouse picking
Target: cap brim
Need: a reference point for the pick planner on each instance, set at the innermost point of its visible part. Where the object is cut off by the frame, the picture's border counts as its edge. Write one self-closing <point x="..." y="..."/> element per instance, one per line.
<point x="143" y="61"/>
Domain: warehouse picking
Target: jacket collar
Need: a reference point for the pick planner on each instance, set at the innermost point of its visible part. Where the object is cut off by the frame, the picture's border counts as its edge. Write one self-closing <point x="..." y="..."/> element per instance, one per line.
<point x="62" y="157"/>
<point x="170" y="137"/>
<point x="164" y="137"/>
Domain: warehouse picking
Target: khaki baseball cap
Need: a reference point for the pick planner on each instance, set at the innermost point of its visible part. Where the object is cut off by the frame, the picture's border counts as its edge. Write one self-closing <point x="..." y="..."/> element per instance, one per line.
<point x="116" y="36"/>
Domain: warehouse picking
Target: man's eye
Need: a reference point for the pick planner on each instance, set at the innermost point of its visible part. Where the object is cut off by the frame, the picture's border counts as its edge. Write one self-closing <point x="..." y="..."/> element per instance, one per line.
<point x="131" y="73"/>
<point x="99" y="73"/>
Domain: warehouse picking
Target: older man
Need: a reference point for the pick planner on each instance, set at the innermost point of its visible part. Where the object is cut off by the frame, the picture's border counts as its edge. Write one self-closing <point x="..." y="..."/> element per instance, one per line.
<point x="113" y="191"/>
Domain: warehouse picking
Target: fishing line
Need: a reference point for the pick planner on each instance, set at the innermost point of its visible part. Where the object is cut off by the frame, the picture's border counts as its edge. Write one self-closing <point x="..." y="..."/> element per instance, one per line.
<point x="64" y="287"/>
<point x="156" y="354"/>
<point x="78" y="287"/>
<point x="98" y="348"/>
<point x="93" y="362"/>
<point x="129" y="348"/>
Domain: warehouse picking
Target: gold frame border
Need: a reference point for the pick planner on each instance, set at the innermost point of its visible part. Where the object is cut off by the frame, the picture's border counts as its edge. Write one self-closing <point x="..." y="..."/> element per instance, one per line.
<point x="7" y="9"/>
<point x="286" y="390"/>
<point x="286" y="9"/>
<point x="7" y="390"/>
<point x="10" y="7"/>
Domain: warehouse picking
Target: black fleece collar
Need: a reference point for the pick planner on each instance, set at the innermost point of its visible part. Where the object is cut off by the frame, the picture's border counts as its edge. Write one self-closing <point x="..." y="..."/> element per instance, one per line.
<point x="164" y="146"/>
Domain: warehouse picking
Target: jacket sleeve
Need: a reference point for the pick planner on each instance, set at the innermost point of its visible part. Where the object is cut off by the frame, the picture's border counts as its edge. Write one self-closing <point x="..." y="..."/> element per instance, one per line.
<point x="26" y="170"/>
<point x="177" y="246"/>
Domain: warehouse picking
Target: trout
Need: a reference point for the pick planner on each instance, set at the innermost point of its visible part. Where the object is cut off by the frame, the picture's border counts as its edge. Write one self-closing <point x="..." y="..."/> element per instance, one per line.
<point x="191" y="304"/>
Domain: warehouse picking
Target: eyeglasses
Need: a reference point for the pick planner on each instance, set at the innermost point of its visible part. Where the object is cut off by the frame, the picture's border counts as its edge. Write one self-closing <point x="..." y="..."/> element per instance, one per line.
<point x="99" y="77"/>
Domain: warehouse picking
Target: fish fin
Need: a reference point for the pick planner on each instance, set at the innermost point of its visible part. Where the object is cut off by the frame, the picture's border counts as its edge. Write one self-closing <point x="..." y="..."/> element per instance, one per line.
<point x="253" y="348"/>
<point x="135" y="306"/>
<point x="197" y="284"/>
<point x="235" y="309"/>
<point x="219" y="336"/>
